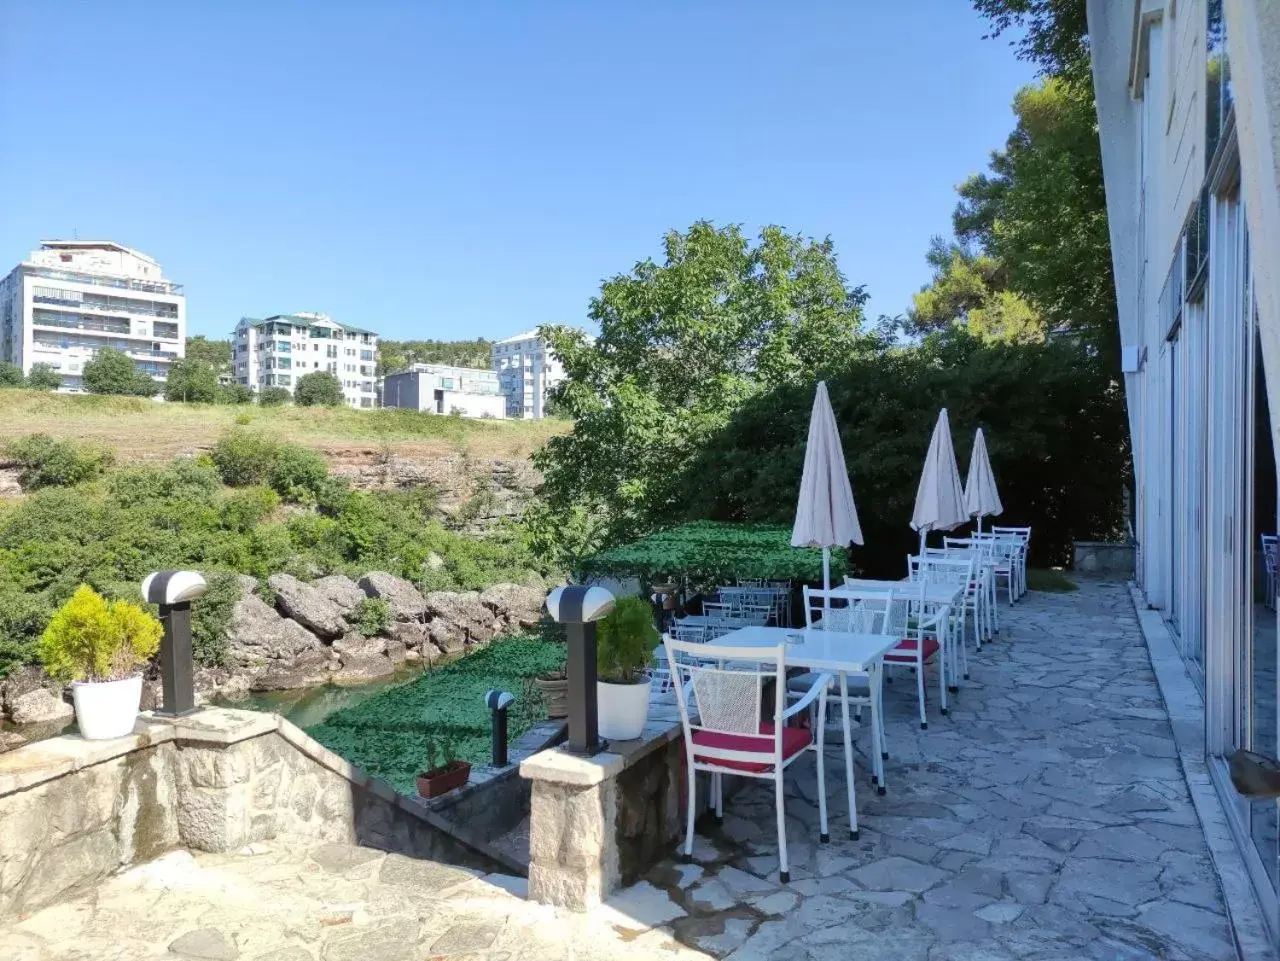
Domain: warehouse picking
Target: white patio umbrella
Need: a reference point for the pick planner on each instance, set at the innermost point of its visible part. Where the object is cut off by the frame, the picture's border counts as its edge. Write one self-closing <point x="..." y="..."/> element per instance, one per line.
<point x="981" y="499"/>
<point x="939" y="499"/>
<point x="825" y="513"/>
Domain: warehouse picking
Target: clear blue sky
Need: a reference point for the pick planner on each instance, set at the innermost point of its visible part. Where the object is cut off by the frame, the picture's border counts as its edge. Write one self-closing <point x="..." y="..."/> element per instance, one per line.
<point x="473" y="169"/>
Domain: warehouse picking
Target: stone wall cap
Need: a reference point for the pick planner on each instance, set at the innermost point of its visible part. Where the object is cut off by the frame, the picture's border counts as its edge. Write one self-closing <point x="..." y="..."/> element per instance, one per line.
<point x="56" y="757"/>
<point x="560" y="767"/>
<point x="218" y="725"/>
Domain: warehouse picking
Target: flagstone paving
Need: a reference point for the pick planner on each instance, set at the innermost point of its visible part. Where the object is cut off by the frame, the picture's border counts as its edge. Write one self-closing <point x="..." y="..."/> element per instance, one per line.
<point x="1046" y="818"/>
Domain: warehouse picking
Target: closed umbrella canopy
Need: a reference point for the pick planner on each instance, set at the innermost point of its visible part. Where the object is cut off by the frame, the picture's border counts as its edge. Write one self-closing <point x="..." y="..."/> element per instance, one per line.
<point x="825" y="513"/>
<point x="939" y="499"/>
<point x="981" y="499"/>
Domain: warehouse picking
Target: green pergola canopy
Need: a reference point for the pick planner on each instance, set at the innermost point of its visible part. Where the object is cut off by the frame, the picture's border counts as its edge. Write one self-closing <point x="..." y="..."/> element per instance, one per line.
<point x="717" y="550"/>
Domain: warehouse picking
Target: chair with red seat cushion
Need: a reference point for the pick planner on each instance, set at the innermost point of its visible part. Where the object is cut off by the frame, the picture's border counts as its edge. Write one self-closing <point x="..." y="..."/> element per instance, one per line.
<point x="720" y="691"/>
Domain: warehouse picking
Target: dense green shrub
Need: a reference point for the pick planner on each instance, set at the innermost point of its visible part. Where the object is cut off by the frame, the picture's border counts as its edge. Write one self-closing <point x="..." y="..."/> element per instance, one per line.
<point x="318" y="389"/>
<point x="191" y="381"/>
<point x="372" y="616"/>
<point x="10" y="375"/>
<point x="235" y="394"/>
<point x="298" y="473"/>
<point x="43" y="377"/>
<point x="48" y="462"/>
<point x="245" y="457"/>
<point x="112" y="372"/>
<point x="93" y="639"/>
<point x="243" y="510"/>
<point x="274" y="396"/>
<point x="626" y="640"/>
<point x="210" y="617"/>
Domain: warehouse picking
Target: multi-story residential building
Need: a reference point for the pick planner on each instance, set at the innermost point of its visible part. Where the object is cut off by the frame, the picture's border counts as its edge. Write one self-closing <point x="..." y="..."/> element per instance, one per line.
<point x="443" y="389"/>
<point x="527" y="369"/>
<point x="71" y="298"/>
<point x="1188" y="98"/>
<point x="276" y="351"/>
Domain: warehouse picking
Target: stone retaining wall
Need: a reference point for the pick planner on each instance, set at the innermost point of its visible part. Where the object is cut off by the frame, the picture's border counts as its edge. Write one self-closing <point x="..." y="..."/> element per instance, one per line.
<point x="1104" y="558"/>
<point x="73" y="811"/>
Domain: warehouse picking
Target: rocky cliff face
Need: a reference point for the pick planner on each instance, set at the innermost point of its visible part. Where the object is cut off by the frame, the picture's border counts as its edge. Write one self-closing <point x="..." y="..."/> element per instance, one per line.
<point x="474" y="494"/>
<point x="306" y="637"/>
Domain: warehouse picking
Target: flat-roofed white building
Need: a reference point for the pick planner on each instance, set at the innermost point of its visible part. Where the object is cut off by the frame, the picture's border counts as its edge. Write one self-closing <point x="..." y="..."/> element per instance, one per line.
<point x="71" y="298"/>
<point x="444" y="389"/>
<point x="277" y="350"/>
<point x="527" y="369"/>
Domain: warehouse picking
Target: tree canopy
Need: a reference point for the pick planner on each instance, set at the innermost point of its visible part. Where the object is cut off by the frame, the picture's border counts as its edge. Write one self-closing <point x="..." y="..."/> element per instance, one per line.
<point x="215" y="354"/>
<point x="682" y="344"/>
<point x="112" y="372"/>
<point x="394" y="355"/>
<point x="318" y="389"/>
<point x="191" y="380"/>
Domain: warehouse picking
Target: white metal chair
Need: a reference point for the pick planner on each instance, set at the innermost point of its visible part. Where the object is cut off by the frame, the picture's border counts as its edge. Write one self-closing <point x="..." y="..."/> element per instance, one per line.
<point x="1023" y="534"/>
<point x="722" y="712"/>
<point x="1270" y="554"/>
<point x="906" y="617"/>
<point x="978" y="597"/>
<point x="1005" y="551"/>
<point x="955" y="572"/>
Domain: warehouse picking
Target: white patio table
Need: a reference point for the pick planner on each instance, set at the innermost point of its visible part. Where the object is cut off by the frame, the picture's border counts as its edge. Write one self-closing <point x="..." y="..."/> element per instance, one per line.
<point x="940" y="597"/>
<point x="837" y="652"/>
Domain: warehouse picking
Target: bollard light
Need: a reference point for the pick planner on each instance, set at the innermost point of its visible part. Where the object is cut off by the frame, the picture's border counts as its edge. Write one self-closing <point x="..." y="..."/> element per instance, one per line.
<point x="174" y="591"/>
<point x="498" y="702"/>
<point x="578" y="608"/>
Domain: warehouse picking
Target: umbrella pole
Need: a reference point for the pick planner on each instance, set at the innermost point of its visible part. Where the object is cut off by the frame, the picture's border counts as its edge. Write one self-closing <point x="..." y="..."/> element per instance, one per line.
<point x="826" y="578"/>
<point x="924" y="534"/>
<point x="979" y="523"/>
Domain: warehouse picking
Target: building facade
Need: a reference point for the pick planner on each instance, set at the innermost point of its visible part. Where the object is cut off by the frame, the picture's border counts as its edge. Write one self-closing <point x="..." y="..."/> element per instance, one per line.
<point x="1188" y="99"/>
<point x="276" y="351"/>
<point x="527" y="369"/>
<point x="443" y="389"/>
<point x="71" y="298"/>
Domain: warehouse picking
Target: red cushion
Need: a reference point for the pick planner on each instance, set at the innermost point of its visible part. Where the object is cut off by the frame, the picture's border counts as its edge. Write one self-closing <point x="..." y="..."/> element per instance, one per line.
<point x="908" y="648"/>
<point x="794" y="740"/>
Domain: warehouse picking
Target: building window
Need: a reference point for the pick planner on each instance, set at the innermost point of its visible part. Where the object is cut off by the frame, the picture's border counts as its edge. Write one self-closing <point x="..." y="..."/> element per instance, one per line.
<point x="1217" y="103"/>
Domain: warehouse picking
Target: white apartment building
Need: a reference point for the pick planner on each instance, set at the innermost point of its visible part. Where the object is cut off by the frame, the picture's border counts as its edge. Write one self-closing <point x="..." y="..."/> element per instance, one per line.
<point x="71" y="298"/>
<point x="276" y="351"/>
<point x="444" y="389"/>
<point x="527" y="370"/>
<point x="1188" y="96"/>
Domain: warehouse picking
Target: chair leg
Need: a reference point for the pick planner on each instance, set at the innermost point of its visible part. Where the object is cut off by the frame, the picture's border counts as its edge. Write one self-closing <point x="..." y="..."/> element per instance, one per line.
<point x="784" y="873"/>
<point x="924" y="721"/>
<point x="718" y="781"/>
<point x="692" y="811"/>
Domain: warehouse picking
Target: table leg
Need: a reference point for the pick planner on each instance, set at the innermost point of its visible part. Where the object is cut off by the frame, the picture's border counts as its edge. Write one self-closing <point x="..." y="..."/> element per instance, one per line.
<point x="848" y="757"/>
<point x="944" y="649"/>
<point x="877" y="722"/>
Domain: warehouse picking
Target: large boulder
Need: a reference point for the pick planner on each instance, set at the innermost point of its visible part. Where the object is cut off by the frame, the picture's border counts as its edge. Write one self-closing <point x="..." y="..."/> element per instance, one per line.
<point x="341" y="590"/>
<point x="447" y="636"/>
<point x="414" y="639"/>
<point x="405" y="600"/>
<point x="359" y="668"/>
<point x="465" y="611"/>
<point x="256" y="634"/>
<point x="30" y="696"/>
<point x="515" y="604"/>
<point x="309" y="670"/>
<point x="353" y="644"/>
<point x="307" y="606"/>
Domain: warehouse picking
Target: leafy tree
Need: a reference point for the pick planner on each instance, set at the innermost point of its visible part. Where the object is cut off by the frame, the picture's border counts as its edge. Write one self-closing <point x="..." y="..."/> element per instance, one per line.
<point x="1041" y="212"/>
<point x="394" y="355"/>
<point x="191" y="380"/>
<point x="10" y="375"/>
<point x="682" y="344"/>
<point x="274" y="396"/>
<point x="1053" y="34"/>
<point x="968" y="289"/>
<point x="318" y="389"/>
<point x="112" y="372"/>
<point x="214" y="354"/>
<point x="236" y="394"/>
<point x="43" y="377"/>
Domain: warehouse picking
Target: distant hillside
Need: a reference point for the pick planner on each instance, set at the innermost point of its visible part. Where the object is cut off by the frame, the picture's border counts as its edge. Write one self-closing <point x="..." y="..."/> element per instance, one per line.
<point x="394" y="355"/>
<point x="145" y="429"/>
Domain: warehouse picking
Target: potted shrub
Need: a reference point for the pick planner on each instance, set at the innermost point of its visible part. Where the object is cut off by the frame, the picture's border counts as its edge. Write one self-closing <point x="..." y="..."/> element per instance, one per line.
<point x="100" y="649"/>
<point x="440" y="778"/>
<point x="625" y="641"/>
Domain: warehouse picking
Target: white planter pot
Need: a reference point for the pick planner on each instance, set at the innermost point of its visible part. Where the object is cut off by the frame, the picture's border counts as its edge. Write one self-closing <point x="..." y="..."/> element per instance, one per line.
<point x="623" y="709"/>
<point x="106" y="709"/>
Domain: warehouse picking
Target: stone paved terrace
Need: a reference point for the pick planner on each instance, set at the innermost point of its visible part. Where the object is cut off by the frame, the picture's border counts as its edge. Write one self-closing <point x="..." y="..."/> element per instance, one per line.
<point x="1046" y="818"/>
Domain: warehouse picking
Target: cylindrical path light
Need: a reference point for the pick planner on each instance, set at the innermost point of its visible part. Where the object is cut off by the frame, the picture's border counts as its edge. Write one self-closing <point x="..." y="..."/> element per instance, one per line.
<point x="174" y="591"/>
<point x="578" y="608"/>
